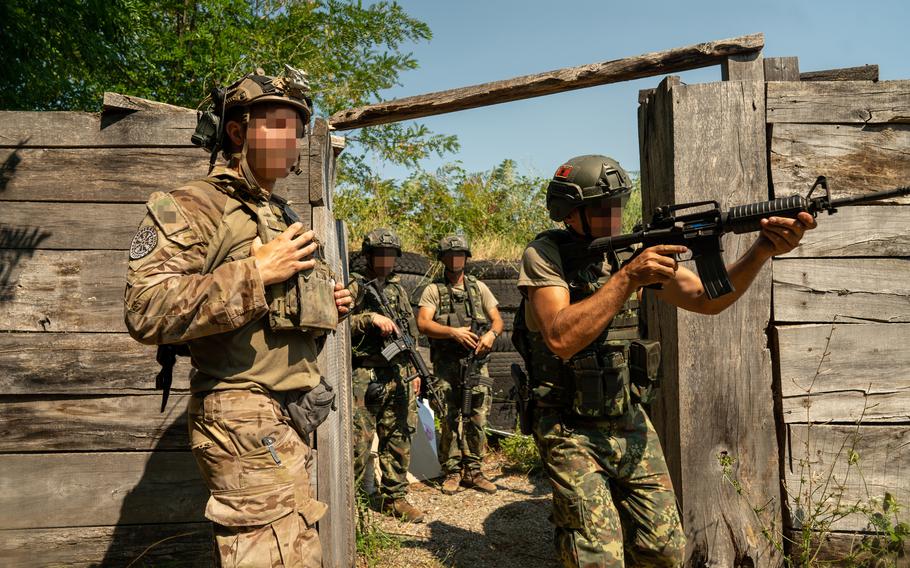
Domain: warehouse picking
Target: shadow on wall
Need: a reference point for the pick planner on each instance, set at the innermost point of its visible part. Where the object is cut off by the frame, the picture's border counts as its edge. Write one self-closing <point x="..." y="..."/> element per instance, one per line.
<point x="161" y="520"/>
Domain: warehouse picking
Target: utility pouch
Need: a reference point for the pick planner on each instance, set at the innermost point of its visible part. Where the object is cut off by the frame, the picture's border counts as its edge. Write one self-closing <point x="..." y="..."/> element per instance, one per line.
<point x="644" y="369"/>
<point x="316" y="293"/>
<point x="375" y="394"/>
<point x="601" y="384"/>
<point x="311" y="408"/>
<point x="521" y="392"/>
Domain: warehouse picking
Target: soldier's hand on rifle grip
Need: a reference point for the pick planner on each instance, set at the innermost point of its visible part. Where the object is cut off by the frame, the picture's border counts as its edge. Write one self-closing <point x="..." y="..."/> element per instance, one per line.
<point x="780" y="235"/>
<point x="654" y="265"/>
<point x="286" y="255"/>
<point x="386" y="326"/>
<point x="464" y="336"/>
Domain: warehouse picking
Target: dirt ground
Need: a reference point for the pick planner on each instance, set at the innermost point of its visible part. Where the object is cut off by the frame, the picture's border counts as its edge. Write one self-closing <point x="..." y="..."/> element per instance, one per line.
<point x="508" y="529"/>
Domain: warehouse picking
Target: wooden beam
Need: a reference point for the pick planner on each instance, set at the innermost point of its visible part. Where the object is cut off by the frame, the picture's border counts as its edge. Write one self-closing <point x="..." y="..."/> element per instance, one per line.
<point x="839" y="102"/>
<point x="547" y="83"/>
<point x="814" y="290"/>
<point x="188" y="545"/>
<point x="861" y="73"/>
<point x="856" y="158"/>
<point x="844" y="372"/>
<point x="712" y="403"/>
<point x="743" y="67"/>
<point x="858" y="231"/>
<point x="782" y="69"/>
<point x="117" y="103"/>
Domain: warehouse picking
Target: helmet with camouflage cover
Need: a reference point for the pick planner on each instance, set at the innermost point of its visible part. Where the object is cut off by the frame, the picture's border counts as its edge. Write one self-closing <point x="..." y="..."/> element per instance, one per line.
<point x="453" y="243"/>
<point x="291" y="88"/>
<point x="584" y="180"/>
<point x="381" y="238"/>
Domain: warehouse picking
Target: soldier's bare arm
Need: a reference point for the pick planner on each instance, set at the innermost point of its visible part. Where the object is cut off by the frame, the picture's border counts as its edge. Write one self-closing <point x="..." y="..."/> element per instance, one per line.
<point x="286" y="255"/>
<point x="485" y="342"/>
<point x="779" y="235"/>
<point x="434" y="330"/>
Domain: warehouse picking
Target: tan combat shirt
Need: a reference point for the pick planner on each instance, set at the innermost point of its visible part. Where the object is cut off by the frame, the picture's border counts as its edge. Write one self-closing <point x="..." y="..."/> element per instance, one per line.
<point x="430" y="297"/>
<point x="221" y="314"/>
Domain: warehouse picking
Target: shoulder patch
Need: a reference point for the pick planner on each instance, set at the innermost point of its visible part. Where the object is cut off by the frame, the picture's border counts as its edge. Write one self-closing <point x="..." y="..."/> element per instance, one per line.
<point x="143" y="243"/>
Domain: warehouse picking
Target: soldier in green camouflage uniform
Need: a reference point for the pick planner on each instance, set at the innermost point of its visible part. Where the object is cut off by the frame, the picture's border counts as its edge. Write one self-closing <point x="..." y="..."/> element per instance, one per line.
<point x="221" y="266"/>
<point x="383" y="402"/>
<point x="460" y="316"/>
<point x="613" y="500"/>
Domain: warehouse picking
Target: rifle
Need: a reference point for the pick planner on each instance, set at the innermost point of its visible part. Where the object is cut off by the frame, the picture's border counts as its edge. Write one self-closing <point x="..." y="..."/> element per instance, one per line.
<point x="402" y="342"/>
<point x="470" y="378"/>
<point x="701" y="231"/>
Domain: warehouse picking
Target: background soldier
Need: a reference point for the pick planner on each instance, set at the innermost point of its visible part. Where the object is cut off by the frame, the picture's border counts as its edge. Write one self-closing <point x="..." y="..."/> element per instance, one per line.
<point x="459" y="315"/>
<point x="215" y="265"/>
<point x="612" y="497"/>
<point x="383" y="402"/>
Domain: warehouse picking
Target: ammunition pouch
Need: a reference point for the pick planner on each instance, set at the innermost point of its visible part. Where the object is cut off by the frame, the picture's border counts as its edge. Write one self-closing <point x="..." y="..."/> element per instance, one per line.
<point x="644" y="370"/>
<point x="599" y="383"/>
<point x="305" y="301"/>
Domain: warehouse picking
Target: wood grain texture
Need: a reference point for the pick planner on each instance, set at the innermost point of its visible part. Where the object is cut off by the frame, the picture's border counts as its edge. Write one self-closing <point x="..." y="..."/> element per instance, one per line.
<point x="861" y="73"/>
<point x="781" y="68"/>
<point x="856" y="159"/>
<point x="809" y="290"/>
<point x="39" y="363"/>
<point x="720" y="404"/>
<point x="844" y="372"/>
<point x="97" y="489"/>
<point x="819" y="468"/>
<point x="743" y="67"/>
<point x="184" y="544"/>
<point x="94" y="423"/>
<point x="77" y="291"/>
<point x="839" y="102"/>
<point x="70" y="226"/>
<point x="64" y="129"/>
<point x="556" y="81"/>
<point x="858" y="231"/>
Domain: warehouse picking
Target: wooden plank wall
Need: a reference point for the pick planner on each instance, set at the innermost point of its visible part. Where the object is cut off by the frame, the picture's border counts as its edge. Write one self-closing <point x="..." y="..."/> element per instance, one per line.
<point x="715" y="399"/>
<point x="88" y="463"/>
<point x="842" y="299"/>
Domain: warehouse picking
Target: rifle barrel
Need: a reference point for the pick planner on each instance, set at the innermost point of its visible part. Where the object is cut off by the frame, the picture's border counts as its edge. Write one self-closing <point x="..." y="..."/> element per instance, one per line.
<point x="867" y="197"/>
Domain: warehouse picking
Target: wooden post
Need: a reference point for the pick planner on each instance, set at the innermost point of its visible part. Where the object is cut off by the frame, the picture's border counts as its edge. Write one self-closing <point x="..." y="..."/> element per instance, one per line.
<point x="708" y="142"/>
<point x="743" y="67"/>
<point x="335" y="461"/>
<point x="782" y="69"/>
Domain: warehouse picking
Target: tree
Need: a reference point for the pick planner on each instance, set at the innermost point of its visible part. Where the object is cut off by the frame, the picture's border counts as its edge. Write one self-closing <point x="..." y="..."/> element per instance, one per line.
<point x="63" y="55"/>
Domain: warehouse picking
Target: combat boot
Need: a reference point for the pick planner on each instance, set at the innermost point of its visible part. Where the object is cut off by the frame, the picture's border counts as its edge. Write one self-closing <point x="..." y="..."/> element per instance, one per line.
<point x="450" y="483"/>
<point x="401" y="509"/>
<point x="476" y="480"/>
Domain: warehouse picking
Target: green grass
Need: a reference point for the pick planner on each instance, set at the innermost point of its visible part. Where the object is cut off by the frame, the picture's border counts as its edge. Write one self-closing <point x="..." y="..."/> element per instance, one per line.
<point x="520" y="453"/>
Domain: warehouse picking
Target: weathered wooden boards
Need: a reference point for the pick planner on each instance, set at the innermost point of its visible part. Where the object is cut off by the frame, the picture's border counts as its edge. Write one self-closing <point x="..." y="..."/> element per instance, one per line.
<point x="560" y="80"/>
<point x="93" y="474"/>
<point x="842" y="301"/>
<point x="717" y="370"/>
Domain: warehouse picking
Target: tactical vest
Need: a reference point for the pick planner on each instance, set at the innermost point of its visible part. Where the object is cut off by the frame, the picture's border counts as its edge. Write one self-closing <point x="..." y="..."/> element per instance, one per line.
<point x="304" y="302"/>
<point x="367" y="347"/>
<point x="457" y="308"/>
<point x="596" y="382"/>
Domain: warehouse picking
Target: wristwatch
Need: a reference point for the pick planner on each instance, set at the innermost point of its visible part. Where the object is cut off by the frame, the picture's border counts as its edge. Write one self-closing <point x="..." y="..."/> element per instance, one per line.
<point x="494" y="332"/>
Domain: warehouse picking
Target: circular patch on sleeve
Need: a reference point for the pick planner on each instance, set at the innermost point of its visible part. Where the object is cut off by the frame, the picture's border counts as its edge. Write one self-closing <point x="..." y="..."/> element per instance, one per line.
<point x="143" y="243"/>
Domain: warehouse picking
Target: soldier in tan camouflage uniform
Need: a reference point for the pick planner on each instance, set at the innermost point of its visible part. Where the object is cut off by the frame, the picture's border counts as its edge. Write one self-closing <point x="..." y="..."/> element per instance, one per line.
<point x="383" y="402"/>
<point x="460" y="316"/>
<point x="222" y="266"/>
<point x="613" y="501"/>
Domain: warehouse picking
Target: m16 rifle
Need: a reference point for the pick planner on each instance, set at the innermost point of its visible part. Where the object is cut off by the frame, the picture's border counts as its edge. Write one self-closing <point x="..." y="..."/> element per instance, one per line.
<point x="701" y="231"/>
<point x="401" y="342"/>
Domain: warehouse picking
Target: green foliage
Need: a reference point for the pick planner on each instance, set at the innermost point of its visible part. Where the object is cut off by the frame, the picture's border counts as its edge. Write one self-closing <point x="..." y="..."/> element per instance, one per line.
<point x="64" y="55"/>
<point x="501" y="204"/>
<point x="521" y="453"/>
<point x="372" y="540"/>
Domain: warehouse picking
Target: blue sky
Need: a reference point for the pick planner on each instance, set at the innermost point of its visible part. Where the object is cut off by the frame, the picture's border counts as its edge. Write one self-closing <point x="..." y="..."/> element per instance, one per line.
<point x="479" y="41"/>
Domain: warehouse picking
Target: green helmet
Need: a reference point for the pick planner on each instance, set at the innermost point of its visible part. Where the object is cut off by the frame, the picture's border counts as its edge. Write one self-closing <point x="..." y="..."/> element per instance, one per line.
<point x="584" y="180"/>
<point x="381" y="238"/>
<point x="291" y="88"/>
<point x="453" y="243"/>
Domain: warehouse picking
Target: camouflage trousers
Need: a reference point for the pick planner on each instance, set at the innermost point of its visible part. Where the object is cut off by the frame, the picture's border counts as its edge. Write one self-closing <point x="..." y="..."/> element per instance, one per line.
<point x="393" y="418"/>
<point x="261" y="503"/>
<point x="468" y="453"/>
<point x="613" y="502"/>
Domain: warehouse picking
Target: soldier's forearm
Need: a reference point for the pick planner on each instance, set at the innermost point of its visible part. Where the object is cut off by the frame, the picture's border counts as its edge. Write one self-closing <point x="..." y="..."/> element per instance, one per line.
<point x="434" y="330"/>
